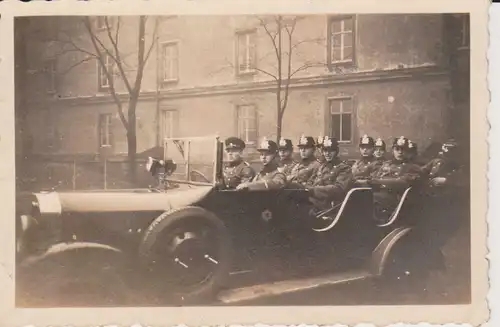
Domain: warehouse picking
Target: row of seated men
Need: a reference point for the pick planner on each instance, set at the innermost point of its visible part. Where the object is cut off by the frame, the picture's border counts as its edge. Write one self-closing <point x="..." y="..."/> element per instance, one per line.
<point x="328" y="178"/>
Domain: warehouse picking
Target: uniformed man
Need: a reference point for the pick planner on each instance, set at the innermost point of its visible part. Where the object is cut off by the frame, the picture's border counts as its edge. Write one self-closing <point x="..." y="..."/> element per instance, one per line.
<point x="413" y="153"/>
<point x="393" y="178"/>
<point x="285" y="151"/>
<point x="237" y="170"/>
<point x="367" y="164"/>
<point x="380" y="149"/>
<point x="332" y="179"/>
<point x="270" y="177"/>
<point x="302" y="171"/>
<point x="444" y="166"/>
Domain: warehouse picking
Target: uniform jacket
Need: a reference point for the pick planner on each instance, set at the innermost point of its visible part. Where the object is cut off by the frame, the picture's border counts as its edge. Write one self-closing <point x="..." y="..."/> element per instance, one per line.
<point x="236" y="173"/>
<point x="303" y="171"/>
<point x="331" y="181"/>
<point x="287" y="165"/>
<point x="270" y="177"/>
<point x="456" y="176"/>
<point x="395" y="175"/>
<point x="435" y="168"/>
<point x="365" y="167"/>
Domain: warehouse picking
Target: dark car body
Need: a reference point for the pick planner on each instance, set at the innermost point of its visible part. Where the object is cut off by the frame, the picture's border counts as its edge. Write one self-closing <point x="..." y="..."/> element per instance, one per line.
<point x="248" y="238"/>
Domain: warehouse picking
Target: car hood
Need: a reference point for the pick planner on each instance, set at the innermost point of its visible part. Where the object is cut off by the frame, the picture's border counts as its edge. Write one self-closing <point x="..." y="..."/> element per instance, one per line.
<point x="119" y="201"/>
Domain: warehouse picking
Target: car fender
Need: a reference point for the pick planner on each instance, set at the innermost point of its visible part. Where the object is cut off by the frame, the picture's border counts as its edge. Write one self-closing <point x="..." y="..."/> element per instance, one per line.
<point x="76" y="274"/>
<point x="381" y="253"/>
<point x="68" y="249"/>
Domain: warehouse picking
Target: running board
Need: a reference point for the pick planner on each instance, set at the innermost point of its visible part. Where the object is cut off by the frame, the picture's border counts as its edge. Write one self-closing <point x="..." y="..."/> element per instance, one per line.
<point x="288" y="286"/>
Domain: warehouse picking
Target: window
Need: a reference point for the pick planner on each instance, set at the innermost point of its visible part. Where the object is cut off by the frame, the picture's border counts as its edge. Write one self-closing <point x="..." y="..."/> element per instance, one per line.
<point x="246" y="52"/>
<point x="341" y="40"/>
<point x="464" y="31"/>
<point x="247" y="124"/>
<point x="170" y="61"/>
<point x="105" y="128"/>
<point x="103" y="80"/>
<point x="51" y="75"/>
<point x="167" y="124"/>
<point x="341" y="119"/>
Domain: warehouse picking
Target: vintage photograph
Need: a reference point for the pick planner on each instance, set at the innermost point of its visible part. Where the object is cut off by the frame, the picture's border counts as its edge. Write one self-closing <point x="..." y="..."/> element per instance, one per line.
<point x="243" y="160"/>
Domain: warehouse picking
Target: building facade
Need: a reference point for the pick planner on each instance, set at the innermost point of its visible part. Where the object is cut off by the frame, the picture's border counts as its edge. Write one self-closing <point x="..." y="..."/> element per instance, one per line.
<point x="385" y="75"/>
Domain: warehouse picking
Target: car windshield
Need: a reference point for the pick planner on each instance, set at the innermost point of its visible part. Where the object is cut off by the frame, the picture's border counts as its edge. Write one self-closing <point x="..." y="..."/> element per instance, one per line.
<point x="195" y="158"/>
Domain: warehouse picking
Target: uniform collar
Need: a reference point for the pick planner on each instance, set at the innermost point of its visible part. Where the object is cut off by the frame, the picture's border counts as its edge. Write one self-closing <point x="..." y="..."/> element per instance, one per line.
<point x="287" y="161"/>
<point x="272" y="166"/>
<point x="334" y="162"/>
<point x="403" y="161"/>
<point x="308" y="160"/>
<point x="367" y="159"/>
<point x="235" y="163"/>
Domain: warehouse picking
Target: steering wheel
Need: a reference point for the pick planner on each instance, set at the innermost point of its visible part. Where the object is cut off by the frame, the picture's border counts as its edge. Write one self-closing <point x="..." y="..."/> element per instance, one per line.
<point x="198" y="174"/>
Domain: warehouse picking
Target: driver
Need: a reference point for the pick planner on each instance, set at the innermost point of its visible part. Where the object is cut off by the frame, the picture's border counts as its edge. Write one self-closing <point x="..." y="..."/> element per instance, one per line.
<point x="302" y="172"/>
<point x="285" y="149"/>
<point x="237" y="170"/>
<point x="270" y="177"/>
<point x="393" y="178"/>
<point x="367" y="164"/>
<point x="333" y="179"/>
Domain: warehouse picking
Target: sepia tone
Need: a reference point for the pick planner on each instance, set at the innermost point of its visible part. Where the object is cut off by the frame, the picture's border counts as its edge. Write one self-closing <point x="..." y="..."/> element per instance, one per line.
<point x="383" y="75"/>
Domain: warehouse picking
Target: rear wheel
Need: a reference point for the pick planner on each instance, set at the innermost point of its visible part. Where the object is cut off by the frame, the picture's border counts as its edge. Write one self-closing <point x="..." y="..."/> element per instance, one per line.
<point x="186" y="254"/>
<point x="409" y="264"/>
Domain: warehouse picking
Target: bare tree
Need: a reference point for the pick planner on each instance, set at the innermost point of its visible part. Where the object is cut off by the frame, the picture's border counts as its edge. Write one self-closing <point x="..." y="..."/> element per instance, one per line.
<point x="105" y="43"/>
<point x="280" y="32"/>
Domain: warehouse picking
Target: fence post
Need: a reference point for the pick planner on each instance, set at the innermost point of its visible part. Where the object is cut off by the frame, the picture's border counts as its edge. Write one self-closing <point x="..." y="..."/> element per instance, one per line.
<point x="74" y="174"/>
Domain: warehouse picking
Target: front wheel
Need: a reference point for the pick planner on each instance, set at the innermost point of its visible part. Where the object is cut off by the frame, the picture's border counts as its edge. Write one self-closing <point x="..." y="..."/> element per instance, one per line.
<point x="186" y="253"/>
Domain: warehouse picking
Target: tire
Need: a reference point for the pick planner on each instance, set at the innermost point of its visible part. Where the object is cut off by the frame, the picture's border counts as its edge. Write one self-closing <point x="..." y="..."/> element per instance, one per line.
<point x="191" y="294"/>
<point x="409" y="265"/>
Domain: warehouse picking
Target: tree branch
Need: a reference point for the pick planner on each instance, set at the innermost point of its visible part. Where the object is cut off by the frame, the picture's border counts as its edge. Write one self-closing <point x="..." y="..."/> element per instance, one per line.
<point x="273" y="38"/>
<point x="82" y="61"/>
<point x="289" y="66"/>
<point x="267" y="73"/>
<point x="75" y="48"/>
<point x="112" y="89"/>
<point x="118" y="59"/>
<point x="154" y="41"/>
<point x="95" y="39"/>
<point x="117" y="32"/>
<point x="304" y="67"/>
<point x="140" y="55"/>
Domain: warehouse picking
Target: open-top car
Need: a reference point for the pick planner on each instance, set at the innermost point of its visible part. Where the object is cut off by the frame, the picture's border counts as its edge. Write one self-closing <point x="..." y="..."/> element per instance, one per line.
<point x="199" y="242"/>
